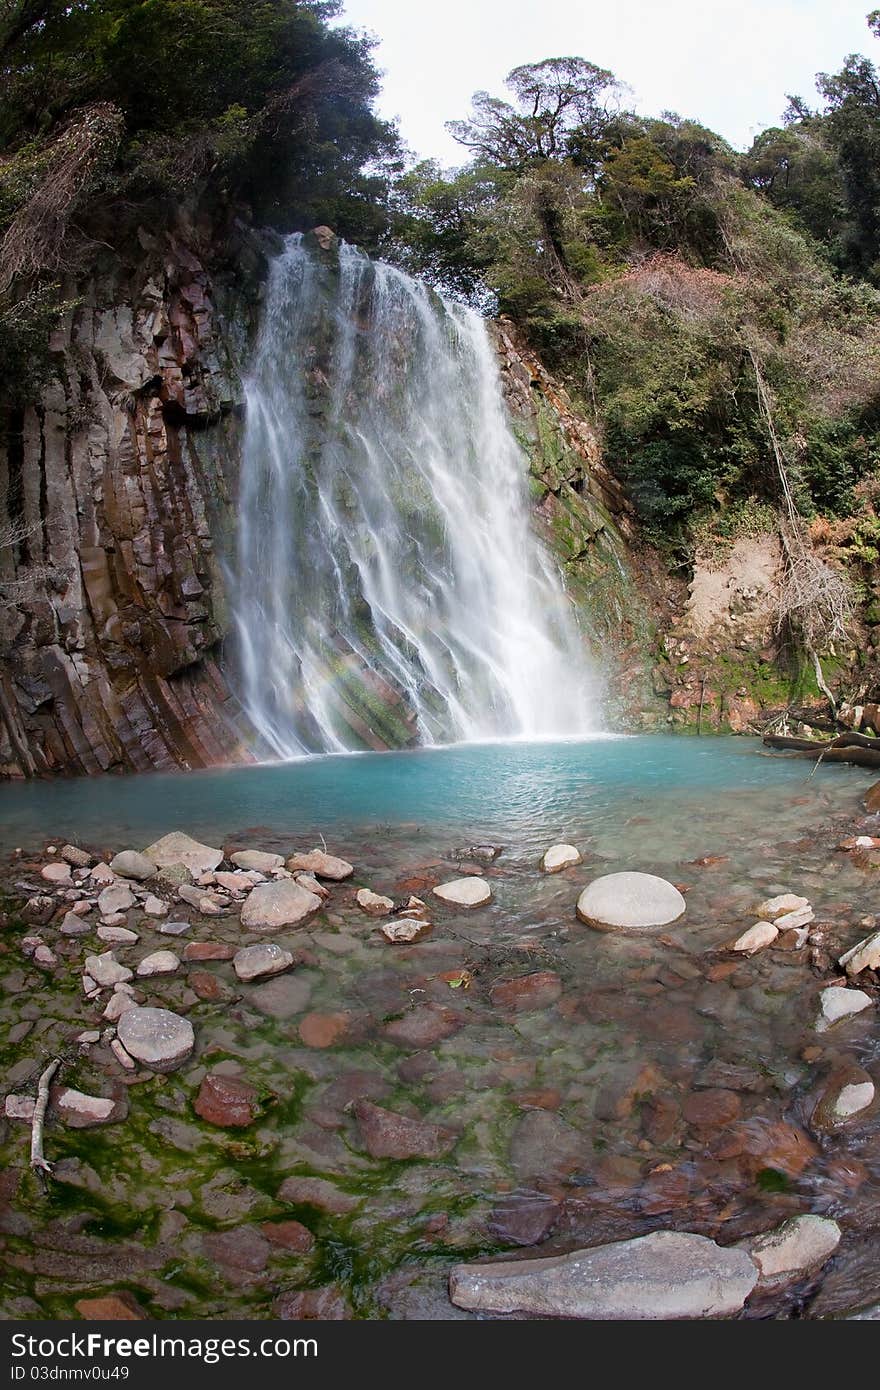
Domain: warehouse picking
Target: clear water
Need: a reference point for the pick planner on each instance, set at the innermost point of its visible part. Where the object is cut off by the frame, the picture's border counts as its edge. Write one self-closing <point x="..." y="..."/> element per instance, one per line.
<point x="666" y="1087"/>
<point x="691" y="791"/>
<point x="389" y="589"/>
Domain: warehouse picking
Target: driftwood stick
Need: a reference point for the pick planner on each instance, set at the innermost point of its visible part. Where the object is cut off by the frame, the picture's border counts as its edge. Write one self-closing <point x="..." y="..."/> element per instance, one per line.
<point x="38" y="1160"/>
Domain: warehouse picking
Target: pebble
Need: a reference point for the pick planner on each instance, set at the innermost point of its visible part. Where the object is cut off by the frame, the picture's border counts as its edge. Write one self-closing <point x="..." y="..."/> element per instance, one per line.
<point x="159" y="963"/>
<point x="784" y="903"/>
<point x="559" y="857"/>
<point x="58" y="874"/>
<point x="405" y="929"/>
<point x="257" y="962"/>
<point x="91" y="1035"/>
<point x="80" y="1110"/>
<point x="117" y="1005"/>
<point x="173" y="928"/>
<point x="19" y="1108"/>
<point x="102" y="874"/>
<point x="256" y="859"/>
<point x="227" y="1101"/>
<point x="123" y="1058"/>
<point x="73" y="925"/>
<point x="44" y="956"/>
<point x="120" y="936"/>
<point x="208" y="904"/>
<point x="208" y="950"/>
<point x="105" y="970"/>
<point x="154" y="907"/>
<point x="373" y="903"/>
<point x="321" y="864"/>
<point x="118" y="897"/>
<point x="78" y="858"/>
<point x="756" y="938"/>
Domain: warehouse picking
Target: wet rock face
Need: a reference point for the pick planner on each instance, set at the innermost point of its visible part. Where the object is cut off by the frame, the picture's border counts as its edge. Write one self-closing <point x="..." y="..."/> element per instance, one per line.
<point x="126" y="470"/>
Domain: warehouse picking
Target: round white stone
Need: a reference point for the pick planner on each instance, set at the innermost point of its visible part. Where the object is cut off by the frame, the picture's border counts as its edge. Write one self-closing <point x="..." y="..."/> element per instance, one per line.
<point x="464" y="892"/>
<point x="158" y="1038"/>
<point x="559" y="857"/>
<point x="630" y="902"/>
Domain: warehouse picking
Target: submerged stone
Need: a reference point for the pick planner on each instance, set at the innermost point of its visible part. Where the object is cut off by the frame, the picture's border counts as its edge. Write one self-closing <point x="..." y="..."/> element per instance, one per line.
<point x="227" y="1101"/>
<point x="630" y="902"/>
<point x="386" y="1134"/>
<point x="464" y="892"/>
<point x="665" y="1275"/>
<point x="527" y="992"/>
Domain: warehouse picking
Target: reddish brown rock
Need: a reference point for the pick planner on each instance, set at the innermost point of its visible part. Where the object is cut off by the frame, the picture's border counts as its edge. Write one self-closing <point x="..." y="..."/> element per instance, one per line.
<point x="290" y="1235"/>
<point x="546" y="1098"/>
<point x="424" y="1026"/>
<point x="325" y="1305"/>
<point x="208" y="950"/>
<point x="763" y="1143"/>
<point x="544" y="1147"/>
<point x="664" y="1189"/>
<point x="316" y="1192"/>
<point x="386" y="1134"/>
<point x="661" y="1117"/>
<point x="711" y="1109"/>
<point x="323" y="1030"/>
<point x="527" y="992"/>
<point x="524" y="1218"/>
<point x="227" y="1101"/>
<point x="111" y="1307"/>
<point x="243" y="1248"/>
<point x="207" y="986"/>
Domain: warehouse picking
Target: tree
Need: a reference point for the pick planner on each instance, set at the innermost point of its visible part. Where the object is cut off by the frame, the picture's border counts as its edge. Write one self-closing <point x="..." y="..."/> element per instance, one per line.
<point x="554" y="99"/>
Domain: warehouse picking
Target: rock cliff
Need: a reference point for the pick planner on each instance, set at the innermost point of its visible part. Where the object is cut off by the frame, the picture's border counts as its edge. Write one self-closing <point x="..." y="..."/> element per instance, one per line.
<point x="116" y="494"/>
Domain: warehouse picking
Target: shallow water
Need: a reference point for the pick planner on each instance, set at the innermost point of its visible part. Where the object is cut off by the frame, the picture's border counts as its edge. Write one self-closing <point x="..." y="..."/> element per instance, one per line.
<point x="660" y="1084"/>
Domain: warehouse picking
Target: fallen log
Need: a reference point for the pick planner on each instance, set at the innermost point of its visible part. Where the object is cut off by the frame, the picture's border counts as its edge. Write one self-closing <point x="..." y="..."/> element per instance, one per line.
<point x="857" y="749"/>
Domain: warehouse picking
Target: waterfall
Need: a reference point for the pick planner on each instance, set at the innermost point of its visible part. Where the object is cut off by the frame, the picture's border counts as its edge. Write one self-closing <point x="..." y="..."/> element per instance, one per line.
<point x="390" y="589"/>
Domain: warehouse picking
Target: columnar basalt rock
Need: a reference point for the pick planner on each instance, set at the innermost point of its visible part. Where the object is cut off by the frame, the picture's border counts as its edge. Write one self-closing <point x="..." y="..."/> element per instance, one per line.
<point x="123" y="476"/>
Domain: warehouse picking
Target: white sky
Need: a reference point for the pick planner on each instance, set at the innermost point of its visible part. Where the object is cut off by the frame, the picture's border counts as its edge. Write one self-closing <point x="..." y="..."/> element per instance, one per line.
<point x="728" y="63"/>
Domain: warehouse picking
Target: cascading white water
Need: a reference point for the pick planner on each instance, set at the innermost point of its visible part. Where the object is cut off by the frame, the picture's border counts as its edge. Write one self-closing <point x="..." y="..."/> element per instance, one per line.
<point x="390" y="589"/>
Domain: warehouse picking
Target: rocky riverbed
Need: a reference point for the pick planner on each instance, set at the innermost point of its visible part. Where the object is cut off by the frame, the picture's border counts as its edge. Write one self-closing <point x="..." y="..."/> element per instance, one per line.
<point x="367" y="1080"/>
